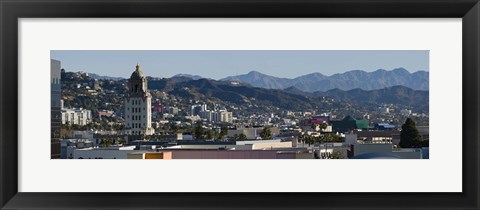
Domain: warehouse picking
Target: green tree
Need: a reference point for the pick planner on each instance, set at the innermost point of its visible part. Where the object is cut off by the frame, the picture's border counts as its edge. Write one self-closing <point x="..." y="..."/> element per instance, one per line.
<point x="266" y="133"/>
<point x="198" y="132"/>
<point x="242" y="136"/>
<point x="211" y="134"/>
<point x="106" y="142"/>
<point x="223" y="132"/>
<point x="314" y="126"/>
<point x="337" y="155"/>
<point x="323" y="126"/>
<point x="122" y="141"/>
<point x="409" y="136"/>
<point x="309" y="139"/>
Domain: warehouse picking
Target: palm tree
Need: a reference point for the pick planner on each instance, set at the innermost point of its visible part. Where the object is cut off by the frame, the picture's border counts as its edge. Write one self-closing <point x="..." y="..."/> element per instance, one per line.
<point x="323" y="126"/>
<point x="266" y="133"/>
<point x="106" y="142"/>
<point x="122" y="141"/>
<point x="242" y="136"/>
<point x="328" y="138"/>
<point x="309" y="140"/>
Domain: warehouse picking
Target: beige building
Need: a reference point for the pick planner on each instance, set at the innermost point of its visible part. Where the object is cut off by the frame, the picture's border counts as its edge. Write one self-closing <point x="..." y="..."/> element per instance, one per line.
<point x="138" y="102"/>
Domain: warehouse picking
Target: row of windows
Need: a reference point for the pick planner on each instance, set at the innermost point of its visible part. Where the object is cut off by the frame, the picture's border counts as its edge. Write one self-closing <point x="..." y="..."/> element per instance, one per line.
<point x="137" y="132"/>
<point x="136" y="125"/>
<point x="136" y="102"/>
<point x="135" y="110"/>
<point x="137" y="117"/>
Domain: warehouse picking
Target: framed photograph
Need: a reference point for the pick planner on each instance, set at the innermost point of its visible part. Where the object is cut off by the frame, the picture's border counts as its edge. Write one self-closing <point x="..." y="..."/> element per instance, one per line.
<point x="227" y="104"/>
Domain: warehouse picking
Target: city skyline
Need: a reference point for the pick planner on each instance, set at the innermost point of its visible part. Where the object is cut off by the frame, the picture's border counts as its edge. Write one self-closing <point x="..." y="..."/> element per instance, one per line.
<point x="218" y="64"/>
<point x="347" y="116"/>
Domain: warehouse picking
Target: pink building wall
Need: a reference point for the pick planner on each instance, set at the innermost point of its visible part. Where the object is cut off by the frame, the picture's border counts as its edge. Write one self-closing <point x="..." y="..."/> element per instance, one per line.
<point x="229" y="154"/>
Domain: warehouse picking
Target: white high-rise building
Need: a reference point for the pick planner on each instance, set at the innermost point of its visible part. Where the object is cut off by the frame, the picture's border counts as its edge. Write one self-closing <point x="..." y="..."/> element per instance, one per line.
<point x="76" y="116"/>
<point x="138" y="113"/>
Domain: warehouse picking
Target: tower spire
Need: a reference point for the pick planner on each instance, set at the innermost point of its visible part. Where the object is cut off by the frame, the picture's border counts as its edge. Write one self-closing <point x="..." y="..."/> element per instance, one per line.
<point x="137" y="68"/>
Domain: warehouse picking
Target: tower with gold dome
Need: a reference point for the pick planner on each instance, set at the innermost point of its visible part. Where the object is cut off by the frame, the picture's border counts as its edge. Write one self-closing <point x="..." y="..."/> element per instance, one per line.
<point x="138" y="113"/>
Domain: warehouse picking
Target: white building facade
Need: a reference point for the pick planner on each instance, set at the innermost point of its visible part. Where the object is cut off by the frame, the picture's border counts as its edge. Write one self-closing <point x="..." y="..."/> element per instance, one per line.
<point x="138" y="106"/>
<point x="76" y="116"/>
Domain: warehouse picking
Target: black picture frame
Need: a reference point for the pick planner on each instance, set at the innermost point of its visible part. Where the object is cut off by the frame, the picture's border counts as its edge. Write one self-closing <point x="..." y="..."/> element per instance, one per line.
<point x="11" y="10"/>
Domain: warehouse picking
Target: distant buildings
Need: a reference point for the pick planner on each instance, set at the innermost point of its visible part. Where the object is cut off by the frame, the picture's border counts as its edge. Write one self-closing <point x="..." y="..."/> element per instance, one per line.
<point x="384" y="126"/>
<point x="138" y="113"/>
<point x="76" y="116"/>
<point x="211" y="115"/>
<point x="197" y="109"/>
<point x="293" y="134"/>
<point x="252" y="133"/>
<point x="55" y="113"/>
<point x="384" y="110"/>
<point x="105" y="113"/>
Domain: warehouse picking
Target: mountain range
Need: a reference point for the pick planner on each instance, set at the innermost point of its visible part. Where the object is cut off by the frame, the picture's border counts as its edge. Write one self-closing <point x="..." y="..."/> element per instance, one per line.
<point x="245" y="95"/>
<point x="291" y="98"/>
<point x="318" y="82"/>
<point x="345" y="81"/>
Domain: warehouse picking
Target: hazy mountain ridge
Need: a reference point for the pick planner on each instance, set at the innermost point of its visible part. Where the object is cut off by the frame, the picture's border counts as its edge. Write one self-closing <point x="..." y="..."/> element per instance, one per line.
<point x="291" y="97"/>
<point x="194" y="77"/>
<point x="390" y="95"/>
<point x="99" y="77"/>
<point x="345" y="81"/>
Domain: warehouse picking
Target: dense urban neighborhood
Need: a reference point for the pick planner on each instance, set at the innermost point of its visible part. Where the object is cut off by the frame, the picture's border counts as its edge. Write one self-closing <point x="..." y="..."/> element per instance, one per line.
<point x="354" y="115"/>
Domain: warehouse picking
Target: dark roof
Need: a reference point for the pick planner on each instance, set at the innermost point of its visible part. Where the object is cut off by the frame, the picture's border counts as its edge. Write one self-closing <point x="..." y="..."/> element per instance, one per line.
<point x="348" y="118"/>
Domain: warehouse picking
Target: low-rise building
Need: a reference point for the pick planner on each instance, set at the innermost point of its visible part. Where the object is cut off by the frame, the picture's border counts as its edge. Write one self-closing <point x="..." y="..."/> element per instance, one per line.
<point x="220" y="154"/>
<point x="348" y="124"/>
<point x="371" y="151"/>
<point x="112" y="152"/>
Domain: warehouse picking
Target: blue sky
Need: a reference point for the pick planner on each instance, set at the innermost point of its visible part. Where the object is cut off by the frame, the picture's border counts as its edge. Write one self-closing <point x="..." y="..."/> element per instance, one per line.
<point x="217" y="64"/>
